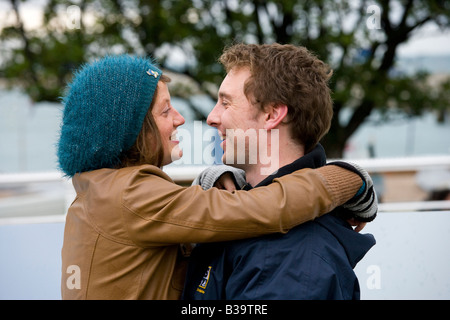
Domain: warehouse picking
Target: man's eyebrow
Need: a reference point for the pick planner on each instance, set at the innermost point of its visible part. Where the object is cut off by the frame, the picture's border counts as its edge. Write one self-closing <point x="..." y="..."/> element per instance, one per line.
<point x="225" y="95"/>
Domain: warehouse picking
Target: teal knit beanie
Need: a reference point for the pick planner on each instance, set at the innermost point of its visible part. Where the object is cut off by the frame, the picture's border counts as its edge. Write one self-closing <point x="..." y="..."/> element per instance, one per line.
<point x="104" y="110"/>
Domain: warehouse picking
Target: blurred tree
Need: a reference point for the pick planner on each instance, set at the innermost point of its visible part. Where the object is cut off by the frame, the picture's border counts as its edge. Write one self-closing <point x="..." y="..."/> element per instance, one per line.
<point x="359" y="39"/>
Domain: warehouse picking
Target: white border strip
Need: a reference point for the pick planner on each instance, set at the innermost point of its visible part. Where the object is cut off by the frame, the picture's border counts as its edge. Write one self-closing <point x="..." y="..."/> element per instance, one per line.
<point x="32" y="220"/>
<point x="414" y="206"/>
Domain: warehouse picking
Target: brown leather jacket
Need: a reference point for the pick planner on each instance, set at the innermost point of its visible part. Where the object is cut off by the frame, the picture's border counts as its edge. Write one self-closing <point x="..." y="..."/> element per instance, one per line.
<point x="124" y="229"/>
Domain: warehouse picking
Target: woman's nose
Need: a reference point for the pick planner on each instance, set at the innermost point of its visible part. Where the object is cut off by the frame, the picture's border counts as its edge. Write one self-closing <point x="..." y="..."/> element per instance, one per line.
<point x="178" y="119"/>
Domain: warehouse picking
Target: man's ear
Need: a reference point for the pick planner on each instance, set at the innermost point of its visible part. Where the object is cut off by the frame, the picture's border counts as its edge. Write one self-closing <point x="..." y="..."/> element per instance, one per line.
<point x="275" y="114"/>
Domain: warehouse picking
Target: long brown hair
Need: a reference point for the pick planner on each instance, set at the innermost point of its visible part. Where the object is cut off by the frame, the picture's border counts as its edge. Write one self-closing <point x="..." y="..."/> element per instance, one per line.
<point x="148" y="148"/>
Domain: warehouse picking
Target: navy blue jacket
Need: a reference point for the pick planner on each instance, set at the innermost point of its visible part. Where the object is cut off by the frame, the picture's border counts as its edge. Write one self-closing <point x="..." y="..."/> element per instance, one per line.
<point x="312" y="261"/>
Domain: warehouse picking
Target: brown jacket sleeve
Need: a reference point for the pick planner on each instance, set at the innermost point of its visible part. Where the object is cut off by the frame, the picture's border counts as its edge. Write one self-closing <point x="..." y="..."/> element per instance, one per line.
<point x="158" y="212"/>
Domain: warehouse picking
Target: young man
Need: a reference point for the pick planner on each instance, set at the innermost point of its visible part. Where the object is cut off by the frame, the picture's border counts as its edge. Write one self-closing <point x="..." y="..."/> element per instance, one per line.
<point x="276" y="96"/>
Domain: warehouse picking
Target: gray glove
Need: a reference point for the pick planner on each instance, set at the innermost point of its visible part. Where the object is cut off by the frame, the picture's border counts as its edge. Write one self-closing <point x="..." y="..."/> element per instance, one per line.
<point x="364" y="205"/>
<point x="209" y="176"/>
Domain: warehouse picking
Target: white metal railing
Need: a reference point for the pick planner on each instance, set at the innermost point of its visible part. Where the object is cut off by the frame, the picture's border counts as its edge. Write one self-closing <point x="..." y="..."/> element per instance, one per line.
<point x="188" y="173"/>
<point x="414" y="206"/>
<point x="401" y="164"/>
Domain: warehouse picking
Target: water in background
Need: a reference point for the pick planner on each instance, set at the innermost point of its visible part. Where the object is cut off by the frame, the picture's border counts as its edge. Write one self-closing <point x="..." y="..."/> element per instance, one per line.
<point x="28" y="134"/>
<point x="400" y="137"/>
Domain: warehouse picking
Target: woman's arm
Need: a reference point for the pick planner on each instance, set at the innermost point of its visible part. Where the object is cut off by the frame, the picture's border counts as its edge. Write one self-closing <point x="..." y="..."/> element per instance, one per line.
<point x="159" y="212"/>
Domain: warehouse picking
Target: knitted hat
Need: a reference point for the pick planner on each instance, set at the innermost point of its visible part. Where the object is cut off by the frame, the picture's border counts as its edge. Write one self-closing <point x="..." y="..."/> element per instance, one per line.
<point x="104" y="110"/>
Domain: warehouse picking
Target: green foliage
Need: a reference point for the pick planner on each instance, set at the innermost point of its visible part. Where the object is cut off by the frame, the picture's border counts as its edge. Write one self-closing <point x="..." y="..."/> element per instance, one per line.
<point x="42" y="60"/>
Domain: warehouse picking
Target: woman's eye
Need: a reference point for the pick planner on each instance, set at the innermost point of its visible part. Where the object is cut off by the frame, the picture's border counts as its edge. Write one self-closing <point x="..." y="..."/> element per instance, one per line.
<point x="166" y="110"/>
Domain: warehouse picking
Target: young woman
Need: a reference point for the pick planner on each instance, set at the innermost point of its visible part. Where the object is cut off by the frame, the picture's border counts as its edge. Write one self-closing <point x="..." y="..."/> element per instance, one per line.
<point x="125" y="229"/>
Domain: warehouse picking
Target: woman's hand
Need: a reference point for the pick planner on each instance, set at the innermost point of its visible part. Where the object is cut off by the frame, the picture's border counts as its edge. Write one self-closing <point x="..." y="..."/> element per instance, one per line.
<point x="225" y="182"/>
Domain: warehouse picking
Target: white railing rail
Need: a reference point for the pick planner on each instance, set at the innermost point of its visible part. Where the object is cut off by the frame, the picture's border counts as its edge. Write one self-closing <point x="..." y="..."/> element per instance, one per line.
<point x="402" y="164"/>
<point x="414" y="206"/>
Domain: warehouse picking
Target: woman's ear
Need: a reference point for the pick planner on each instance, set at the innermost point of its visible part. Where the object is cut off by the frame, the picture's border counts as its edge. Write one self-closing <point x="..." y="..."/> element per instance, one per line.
<point x="275" y="114"/>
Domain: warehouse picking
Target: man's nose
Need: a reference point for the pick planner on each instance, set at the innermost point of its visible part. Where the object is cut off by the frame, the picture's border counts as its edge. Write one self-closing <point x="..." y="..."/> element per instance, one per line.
<point x="213" y="119"/>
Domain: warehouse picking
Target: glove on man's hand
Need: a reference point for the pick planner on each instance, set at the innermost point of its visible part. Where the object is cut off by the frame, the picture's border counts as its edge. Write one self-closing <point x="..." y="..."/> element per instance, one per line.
<point x="364" y="205"/>
<point x="208" y="177"/>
